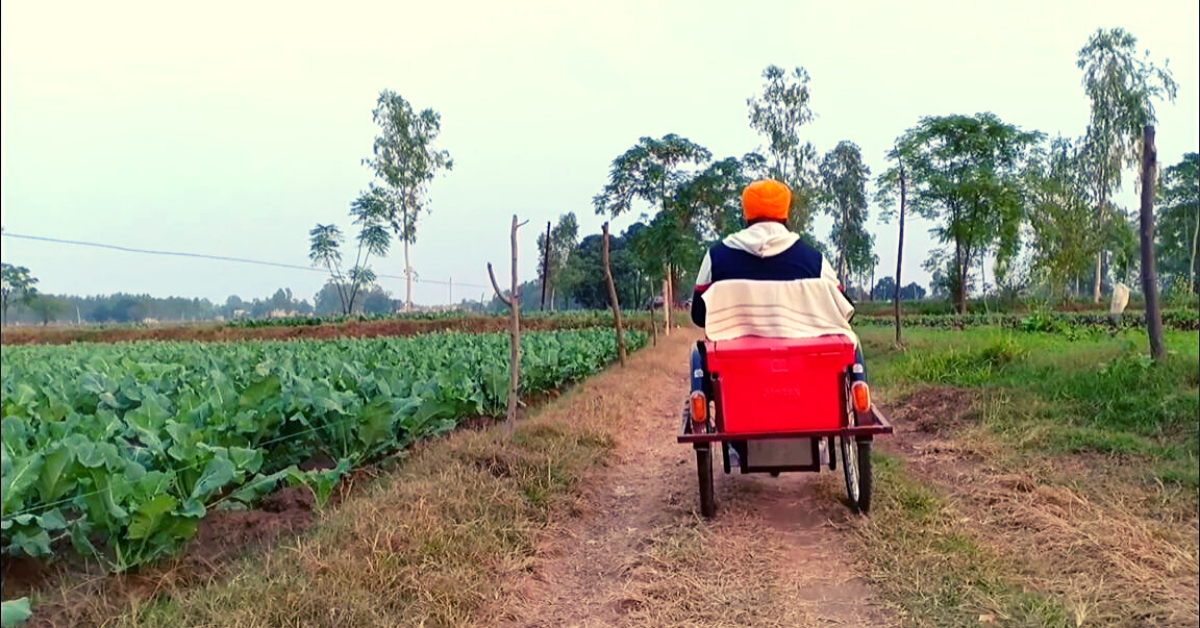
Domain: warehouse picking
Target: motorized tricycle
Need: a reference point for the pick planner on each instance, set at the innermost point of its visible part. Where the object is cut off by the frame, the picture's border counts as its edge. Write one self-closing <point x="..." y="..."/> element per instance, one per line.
<point x="778" y="405"/>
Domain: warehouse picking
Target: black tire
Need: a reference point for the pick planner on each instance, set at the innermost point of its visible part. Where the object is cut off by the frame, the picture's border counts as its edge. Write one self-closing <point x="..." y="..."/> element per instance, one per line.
<point x="856" y="467"/>
<point x="866" y="478"/>
<point x="704" y="469"/>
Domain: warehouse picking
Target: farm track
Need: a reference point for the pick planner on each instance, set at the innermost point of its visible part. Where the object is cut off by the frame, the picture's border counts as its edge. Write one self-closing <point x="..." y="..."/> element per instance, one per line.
<point x="641" y="556"/>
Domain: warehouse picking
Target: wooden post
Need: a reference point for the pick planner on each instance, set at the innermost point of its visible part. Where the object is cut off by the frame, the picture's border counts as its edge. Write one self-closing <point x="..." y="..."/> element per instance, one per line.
<point x="653" y="321"/>
<point x="513" y="301"/>
<point x="1149" y="277"/>
<point x="612" y="297"/>
<point x="667" y="300"/>
<point x="546" y="266"/>
<point x="899" y="247"/>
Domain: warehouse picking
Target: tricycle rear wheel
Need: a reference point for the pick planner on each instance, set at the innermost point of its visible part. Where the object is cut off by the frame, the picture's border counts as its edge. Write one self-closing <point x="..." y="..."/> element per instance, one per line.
<point x="856" y="466"/>
<point x="704" y="469"/>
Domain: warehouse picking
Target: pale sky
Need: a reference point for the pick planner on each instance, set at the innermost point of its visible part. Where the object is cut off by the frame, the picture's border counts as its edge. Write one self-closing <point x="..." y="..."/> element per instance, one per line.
<point x="232" y="128"/>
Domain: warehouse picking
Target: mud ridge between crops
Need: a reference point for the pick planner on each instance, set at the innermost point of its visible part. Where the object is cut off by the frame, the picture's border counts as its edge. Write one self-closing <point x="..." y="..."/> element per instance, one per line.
<point x="774" y="555"/>
<point x="223" y="333"/>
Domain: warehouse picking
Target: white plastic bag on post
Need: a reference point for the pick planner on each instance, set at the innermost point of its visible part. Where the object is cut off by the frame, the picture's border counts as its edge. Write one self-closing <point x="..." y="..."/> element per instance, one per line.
<point x="1120" y="299"/>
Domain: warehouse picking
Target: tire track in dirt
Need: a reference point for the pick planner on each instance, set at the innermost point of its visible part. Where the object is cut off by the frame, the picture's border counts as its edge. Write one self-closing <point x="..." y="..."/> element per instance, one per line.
<point x="641" y="556"/>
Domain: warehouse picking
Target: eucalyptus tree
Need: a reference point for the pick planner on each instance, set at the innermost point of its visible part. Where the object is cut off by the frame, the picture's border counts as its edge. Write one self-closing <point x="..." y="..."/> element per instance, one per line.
<point x="844" y="179"/>
<point x="1121" y="88"/>
<point x="779" y="114"/>
<point x="405" y="159"/>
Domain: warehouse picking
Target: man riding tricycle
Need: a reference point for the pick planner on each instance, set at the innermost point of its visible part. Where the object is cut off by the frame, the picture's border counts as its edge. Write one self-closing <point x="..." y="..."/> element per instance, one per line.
<point x="779" y="376"/>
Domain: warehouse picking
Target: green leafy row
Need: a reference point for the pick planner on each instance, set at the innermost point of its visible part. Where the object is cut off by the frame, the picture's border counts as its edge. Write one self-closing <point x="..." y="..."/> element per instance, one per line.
<point x="1182" y="319"/>
<point x="119" y="450"/>
<point x="568" y="319"/>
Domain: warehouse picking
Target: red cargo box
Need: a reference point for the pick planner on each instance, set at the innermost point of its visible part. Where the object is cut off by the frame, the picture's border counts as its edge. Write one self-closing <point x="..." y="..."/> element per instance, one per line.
<point x="777" y="384"/>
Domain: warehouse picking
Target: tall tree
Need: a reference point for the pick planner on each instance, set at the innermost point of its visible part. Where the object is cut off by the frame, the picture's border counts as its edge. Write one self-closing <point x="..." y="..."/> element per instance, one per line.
<point x="1122" y="88"/>
<point x="16" y="286"/>
<point x="370" y="212"/>
<point x="563" y="237"/>
<point x="325" y="249"/>
<point x="844" y="177"/>
<point x="778" y="114"/>
<point x="713" y="196"/>
<point x="884" y="289"/>
<point x="1064" y="239"/>
<point x="47" y="307"/>
<point x="404" y="157"/>
<point x="650" y="172"/>
<point x="892" y="182"/>
<point x="964" y="177"/>
<point x="1178" y="228"/>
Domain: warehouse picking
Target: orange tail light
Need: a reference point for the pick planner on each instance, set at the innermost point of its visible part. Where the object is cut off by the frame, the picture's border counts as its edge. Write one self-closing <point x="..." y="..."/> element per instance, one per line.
<point x="860" y="393"/>
<point x="699" y="407"/>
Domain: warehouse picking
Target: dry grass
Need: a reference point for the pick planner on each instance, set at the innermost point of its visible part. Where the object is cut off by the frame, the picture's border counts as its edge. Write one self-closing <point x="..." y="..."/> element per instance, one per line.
<point x="694" y="575"/>
<point x="426" y="547"/>
<point x="1108" y="562"/>
<point x="971" y="530"/>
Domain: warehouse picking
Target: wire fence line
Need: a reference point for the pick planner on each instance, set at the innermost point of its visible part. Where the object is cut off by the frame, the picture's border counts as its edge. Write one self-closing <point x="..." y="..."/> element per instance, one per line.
<point x="224" y="258"/>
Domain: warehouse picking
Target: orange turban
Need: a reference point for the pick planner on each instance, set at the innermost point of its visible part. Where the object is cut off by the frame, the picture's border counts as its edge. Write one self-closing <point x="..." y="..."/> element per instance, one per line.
<point x="768" y="199"/>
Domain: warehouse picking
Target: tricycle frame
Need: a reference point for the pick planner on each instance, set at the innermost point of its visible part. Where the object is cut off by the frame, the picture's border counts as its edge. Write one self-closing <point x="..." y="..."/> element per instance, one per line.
<point x="854" y="438"/>
<point x="878" y="424"/>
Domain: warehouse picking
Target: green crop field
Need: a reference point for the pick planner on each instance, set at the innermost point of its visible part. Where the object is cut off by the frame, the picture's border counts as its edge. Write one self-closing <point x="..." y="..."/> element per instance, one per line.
<point x="118" y="450"/>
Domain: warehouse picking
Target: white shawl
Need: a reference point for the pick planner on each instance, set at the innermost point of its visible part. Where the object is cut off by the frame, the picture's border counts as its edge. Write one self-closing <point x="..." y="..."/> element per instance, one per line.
<point x="802" y="308"/>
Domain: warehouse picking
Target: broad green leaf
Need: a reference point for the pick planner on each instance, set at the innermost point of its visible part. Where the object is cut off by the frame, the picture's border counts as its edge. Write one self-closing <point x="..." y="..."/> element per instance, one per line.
<point x="149" y="515"/>
<point x="52" y="520"/>
<point x="91" y="382"/>
<point x="16" y="482"/>
<point x="376" y="424"/>
<point x="193" y="509"/>
<point x="24" y="394"/>
<point x="89" y="455"/>
<point x="14" y="432"/>
<point x="258" y="392"/>
<point x="54" y="480"/>
<point x="14" y="612"/>
<point x="250" y="492"/>
<point x="36" y="544"/>
<point x="217" y="474"/>
<point x="246" y="460"/>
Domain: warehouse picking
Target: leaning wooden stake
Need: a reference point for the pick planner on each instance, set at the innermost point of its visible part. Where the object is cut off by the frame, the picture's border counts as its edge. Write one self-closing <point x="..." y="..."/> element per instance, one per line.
<point x="513" y="301"/>
<point x="612" y="297"/>
<point x="1149" y="276"/>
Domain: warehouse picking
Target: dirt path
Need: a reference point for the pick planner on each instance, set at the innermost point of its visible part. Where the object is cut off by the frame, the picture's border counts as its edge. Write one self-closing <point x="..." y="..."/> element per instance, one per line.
<point x="641" y="556"/>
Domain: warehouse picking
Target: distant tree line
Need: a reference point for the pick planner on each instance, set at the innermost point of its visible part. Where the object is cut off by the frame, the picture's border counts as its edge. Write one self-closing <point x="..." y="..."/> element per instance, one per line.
<point x="24" y="304"/>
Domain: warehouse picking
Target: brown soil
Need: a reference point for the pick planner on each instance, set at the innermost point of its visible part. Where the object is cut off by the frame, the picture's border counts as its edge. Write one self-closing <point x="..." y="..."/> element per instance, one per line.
<point x="641" y="555"/>
<point x="222" y="333"/>
<point x="221" y="536"/>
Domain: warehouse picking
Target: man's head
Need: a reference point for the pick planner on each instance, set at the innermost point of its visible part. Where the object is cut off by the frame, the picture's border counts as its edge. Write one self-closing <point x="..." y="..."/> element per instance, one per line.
<point x="766" y="200"/>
